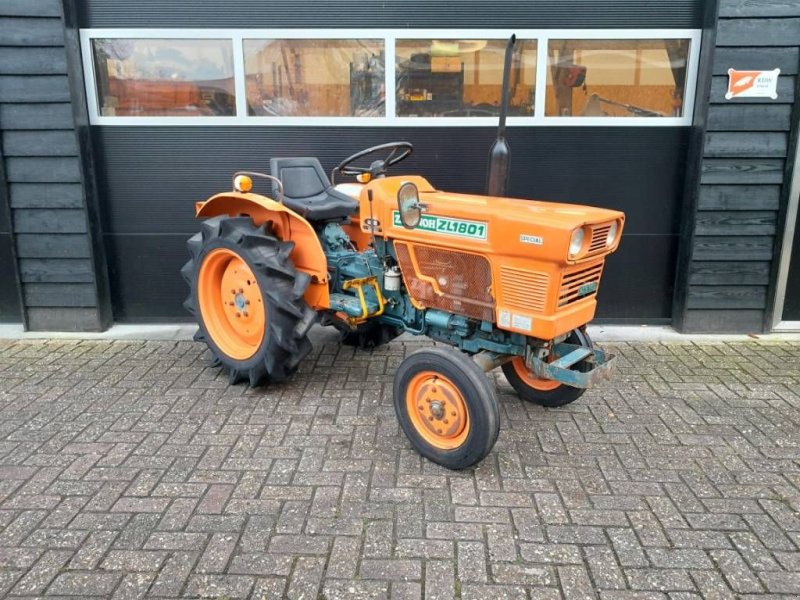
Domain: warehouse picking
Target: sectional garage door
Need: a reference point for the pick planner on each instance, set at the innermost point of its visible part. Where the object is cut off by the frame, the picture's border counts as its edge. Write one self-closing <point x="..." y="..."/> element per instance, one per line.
<point x="151" y="173"/>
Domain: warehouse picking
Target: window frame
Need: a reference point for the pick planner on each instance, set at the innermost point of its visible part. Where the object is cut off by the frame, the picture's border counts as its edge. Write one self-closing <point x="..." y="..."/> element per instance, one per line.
<point x="389" y="37"/>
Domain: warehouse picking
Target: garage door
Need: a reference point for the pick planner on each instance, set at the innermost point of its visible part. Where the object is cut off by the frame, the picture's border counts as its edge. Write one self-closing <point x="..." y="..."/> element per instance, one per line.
<point x="598" y="117"/>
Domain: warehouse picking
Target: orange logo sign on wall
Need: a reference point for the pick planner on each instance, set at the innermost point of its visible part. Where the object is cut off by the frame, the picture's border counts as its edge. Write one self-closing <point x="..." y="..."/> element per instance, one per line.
<point x="752" y="84"/>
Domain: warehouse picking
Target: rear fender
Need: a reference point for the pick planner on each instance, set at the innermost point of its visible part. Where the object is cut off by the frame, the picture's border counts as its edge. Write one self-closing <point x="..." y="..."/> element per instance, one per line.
<point x="307" y="254"/>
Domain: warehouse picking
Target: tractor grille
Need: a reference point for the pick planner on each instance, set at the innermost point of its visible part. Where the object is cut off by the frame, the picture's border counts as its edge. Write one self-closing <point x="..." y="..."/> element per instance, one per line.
<point x="464" y="280"/>
<point x="598" y="239"/>
<point x="580" y="283"/>
<point x="524" y="290"/>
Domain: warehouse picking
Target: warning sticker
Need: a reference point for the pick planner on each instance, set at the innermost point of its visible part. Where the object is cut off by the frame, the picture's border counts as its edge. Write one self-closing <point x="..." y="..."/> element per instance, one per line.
<point x="504" y="319"/>
<point x="521" y="322"/>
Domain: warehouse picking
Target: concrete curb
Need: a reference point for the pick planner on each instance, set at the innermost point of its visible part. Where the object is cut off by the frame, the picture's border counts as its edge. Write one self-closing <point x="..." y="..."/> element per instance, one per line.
<point x="184" y="332"/>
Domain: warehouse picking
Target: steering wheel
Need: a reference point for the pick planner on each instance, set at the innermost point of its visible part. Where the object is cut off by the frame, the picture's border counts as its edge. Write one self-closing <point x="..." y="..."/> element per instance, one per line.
<point x="397" y="151"/>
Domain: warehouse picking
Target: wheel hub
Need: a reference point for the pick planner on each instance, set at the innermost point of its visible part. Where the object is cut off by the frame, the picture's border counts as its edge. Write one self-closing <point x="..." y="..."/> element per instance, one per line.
<point x="438" y="410"/>
<point x="231" y="305"/>
<point x="240" y="301"/>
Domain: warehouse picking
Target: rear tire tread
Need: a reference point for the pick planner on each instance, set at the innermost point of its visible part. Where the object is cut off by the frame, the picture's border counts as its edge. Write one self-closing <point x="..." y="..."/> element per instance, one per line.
<point x="289" y="318"/>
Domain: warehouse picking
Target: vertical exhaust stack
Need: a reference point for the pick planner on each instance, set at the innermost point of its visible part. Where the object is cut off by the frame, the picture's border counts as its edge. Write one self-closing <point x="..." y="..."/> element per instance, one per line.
<point x="500" y="153"/>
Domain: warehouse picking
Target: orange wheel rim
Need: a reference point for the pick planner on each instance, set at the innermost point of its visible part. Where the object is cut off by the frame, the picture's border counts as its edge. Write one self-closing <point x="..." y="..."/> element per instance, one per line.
<point x="231" y="305"/>
<point x="531" y="380"/>
<point x="437" y="410"/>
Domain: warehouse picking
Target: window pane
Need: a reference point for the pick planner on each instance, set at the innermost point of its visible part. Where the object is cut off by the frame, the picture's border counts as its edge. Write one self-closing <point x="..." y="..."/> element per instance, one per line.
<point x="337" y="78"/>
<point x="616" y="78"/>
<point x="456" y="78"/>
<point x="161" y="77"/>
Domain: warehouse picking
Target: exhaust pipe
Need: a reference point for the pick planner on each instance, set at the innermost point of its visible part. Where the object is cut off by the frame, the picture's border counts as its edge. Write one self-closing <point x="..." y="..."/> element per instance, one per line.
<point x="500" y="153"/>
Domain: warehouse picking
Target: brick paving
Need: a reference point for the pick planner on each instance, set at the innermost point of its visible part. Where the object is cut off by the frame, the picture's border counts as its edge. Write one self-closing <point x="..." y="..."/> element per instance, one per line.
<point x="132" y="469"/>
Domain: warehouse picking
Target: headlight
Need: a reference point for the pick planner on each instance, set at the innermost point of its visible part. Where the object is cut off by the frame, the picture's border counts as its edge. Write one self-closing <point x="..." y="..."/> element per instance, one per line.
<point x="612" y="234"/>
<point x="576" y="243"/>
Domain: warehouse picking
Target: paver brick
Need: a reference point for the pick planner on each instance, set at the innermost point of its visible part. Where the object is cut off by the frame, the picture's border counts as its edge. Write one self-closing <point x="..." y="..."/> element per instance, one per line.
<point x="343" y="560"/>
<point x="219" y="586"/>
<point x="132" y="469"/>
<point x="39" y="576"/>
<point x="84" y="584"/>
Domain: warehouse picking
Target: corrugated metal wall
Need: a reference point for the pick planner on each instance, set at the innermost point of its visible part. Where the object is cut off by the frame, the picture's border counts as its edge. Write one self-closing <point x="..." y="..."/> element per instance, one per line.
<point x="393" y="13"/>
<point x="149" y="178"/>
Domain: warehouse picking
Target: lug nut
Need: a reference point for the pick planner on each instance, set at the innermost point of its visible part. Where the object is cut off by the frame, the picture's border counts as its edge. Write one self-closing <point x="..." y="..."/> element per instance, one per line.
<point x="238" y="315"/>
<point x="430" y="418"/>
<point x="245" y="314"/>
<point x="241" y="290"/>
<point x="453" y="414"/>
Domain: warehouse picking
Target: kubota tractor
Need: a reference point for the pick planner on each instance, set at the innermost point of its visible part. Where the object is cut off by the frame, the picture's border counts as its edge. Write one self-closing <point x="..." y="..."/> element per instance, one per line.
<point x="501" y="282"/>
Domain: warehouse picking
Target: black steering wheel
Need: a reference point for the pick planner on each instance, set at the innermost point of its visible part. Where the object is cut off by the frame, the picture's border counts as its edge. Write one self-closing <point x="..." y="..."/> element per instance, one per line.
<point x="397" y="151"/>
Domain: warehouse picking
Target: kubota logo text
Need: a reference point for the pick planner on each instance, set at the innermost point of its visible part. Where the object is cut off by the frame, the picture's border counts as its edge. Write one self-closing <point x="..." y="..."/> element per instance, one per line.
<point x="460" y="227"/>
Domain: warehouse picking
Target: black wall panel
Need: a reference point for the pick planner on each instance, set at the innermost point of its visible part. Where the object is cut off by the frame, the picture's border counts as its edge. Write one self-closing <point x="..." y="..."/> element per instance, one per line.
<point x="9" y="295"/>
<point x="146" y="284"/>
<point x="393" y="13"/>
<point x="150" y="177"/>
<point x="742" y="194"/>
<point x="42" y="110"/>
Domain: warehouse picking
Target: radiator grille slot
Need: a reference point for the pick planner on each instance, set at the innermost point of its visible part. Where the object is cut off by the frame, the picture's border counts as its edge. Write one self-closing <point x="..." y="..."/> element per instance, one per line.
<point x="464" y="280"/>
<point x="579" y="284"/>
<point x="599" y="237"/>
<point x="524" y="290"/>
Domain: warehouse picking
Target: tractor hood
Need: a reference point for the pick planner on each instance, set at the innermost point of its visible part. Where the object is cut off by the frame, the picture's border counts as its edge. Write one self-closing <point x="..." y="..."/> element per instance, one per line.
<point x="536" y="212"/>
<point x="503" y="226"/>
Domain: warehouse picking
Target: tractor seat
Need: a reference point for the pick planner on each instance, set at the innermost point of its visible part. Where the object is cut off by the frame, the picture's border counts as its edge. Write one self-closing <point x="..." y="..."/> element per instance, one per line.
<point x="308" y="191"/>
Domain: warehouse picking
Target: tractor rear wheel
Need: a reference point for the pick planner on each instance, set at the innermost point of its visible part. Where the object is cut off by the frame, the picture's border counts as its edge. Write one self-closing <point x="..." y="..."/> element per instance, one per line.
<point x="247" y="298"/>
<point x="447" y="407"/>
<point x="546" y="392"/>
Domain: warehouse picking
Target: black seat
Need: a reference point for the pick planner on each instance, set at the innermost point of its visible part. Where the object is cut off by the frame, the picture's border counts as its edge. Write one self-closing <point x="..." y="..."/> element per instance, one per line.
<point x="308" y="191"/>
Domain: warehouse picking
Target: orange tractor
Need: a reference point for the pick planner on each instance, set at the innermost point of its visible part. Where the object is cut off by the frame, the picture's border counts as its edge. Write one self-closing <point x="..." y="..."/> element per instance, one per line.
<point x="500" y="282"/>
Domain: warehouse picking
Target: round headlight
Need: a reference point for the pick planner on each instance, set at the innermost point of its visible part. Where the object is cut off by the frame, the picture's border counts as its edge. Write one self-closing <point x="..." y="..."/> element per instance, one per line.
<point x="576" y="242"/>
<point x="612" y="234"/>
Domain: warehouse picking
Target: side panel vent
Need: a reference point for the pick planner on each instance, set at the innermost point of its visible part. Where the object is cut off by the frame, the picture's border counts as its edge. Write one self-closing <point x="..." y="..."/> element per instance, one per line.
<point x="524" y="290"/>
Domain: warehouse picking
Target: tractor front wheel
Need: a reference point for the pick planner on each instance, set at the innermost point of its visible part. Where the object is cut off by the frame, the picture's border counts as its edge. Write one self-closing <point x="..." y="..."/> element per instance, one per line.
<point x="546" y="392"/>
<point x="247" y="298"/>
<point x="447" y="407"/>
